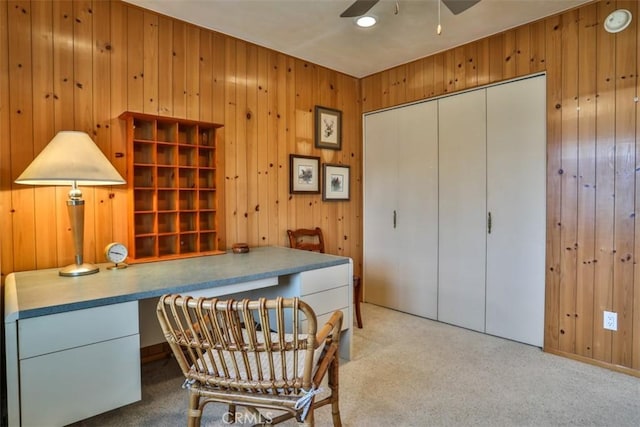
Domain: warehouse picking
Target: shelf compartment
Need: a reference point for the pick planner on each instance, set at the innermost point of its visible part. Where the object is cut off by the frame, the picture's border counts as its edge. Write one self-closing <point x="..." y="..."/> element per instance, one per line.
<point x="145" y="247"/>
<point x="166" y="154"/>
<point x="208" y="242"/>
<point x="187" y="178"/>
<point x="187" y="200"/>
<point x="187" y="156"/>
<point x="166" y="131"/>
<point x="206" y="157"/>
<point x="145" y="223"/>
<point x="207" y="200"/>
<point x="207" y="136"/>
<point x="207" y="178"/>
<point x="143" y="153"/>
<point x="166" y="177"/>
<point x="167" y="200"/>
<point x="143" y="200"/>
<point x="188" y="243"/>
<point x="167" y="222"/>
<point x="143" y="177"/>
<point x="207" y="221"/>
<point x="188" y="221"/>
<point x="167" y="245"/>
<point x="187" y="133"/>
<point x="143" y="129"/>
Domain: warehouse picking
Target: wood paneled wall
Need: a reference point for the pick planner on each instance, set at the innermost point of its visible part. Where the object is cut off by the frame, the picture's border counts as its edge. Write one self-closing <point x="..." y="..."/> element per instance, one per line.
<point x="77" y="65"/>
<point x="593" y="196"/>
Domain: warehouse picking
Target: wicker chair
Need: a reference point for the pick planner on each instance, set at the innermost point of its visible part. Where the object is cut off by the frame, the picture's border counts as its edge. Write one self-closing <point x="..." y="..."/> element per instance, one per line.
<point x="311" y="239"/>
<point x="226" y="356"/>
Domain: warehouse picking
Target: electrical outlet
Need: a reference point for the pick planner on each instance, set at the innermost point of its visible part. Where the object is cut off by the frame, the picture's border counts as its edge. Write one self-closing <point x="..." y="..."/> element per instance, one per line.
<point x="611" y="321"/>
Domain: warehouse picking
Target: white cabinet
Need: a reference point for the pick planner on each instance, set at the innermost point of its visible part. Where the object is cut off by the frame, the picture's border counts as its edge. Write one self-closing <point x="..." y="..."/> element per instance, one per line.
<point x="488" y="157"/>
<point x="400" y="208"/>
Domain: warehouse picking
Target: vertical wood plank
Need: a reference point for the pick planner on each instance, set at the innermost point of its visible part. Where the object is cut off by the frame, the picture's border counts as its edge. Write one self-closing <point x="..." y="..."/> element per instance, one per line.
<point x="605" y="182"/>
<point x="135" y="59"/>
<point x="44" y="130"/>
<point x="22" y="152"/>
<point x="471" y="65"/>
<point x="251" y="124"/>
<point x="523" y="50"/>
<point x="206" y="76"/>
<point x="569" y="184"/>
<point x="273" y="165"/>
<point x="428" y="73"/>
<point x="63" y="44"/>
<point x="586" y="179"/>
<point x="179" y="69"/>
<point x="101" y="109"/>
<point x="459" y="69"/>
<point x="626" y="51"/>
<point x="117" y="48"/>
<point x="150" y="63"/>
<point x="509" y="55"/>
<point x="438" y="74"/>
<point x="496" y="63"/>
<point x="537" y="55"/>
<point x="554" y="169"/>
<point x="483" y="62"/>
<point x="218" y="51"/>
<point x="192" y="71"/>
<point x="6" y="215"/>
<point x="230" y="142"/>
<point x="264" y="139"/>
<point x="165" y="72"/>
<point x="449" y="65"/>
<point x="415" y="81"/>
<point x="241" y="140"/>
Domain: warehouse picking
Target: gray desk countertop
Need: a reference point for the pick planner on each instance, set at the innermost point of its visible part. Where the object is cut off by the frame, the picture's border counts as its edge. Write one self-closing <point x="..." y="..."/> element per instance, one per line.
<point x="41" y="292"/>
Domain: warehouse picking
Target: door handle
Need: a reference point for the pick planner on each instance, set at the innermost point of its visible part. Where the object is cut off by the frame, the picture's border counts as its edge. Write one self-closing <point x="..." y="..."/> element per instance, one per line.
<point x="395" y="218"/>
<point x="489" y="223"/>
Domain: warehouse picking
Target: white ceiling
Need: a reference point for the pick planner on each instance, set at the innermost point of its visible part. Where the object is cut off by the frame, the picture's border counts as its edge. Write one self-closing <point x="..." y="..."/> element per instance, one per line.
<point x="312" y="30"/>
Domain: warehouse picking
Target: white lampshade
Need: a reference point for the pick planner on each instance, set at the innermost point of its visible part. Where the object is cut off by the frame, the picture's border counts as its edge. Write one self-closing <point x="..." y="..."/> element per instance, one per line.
<point x="70" y="157"/>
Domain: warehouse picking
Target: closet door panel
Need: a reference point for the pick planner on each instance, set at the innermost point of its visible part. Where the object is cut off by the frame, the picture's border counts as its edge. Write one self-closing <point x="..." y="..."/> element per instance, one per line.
<point x="462" y="210"/>
<point x="417" y="216"/>
<point x="516" y="144"/>
<point x="380" y="189"/>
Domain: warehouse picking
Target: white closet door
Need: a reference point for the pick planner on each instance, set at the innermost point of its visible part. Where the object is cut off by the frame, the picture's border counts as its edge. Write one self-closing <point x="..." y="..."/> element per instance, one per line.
<point x="417" y="213"/>
<point x="462" y="210"/>
<point x="516" y="144"/>
<point x="380" y="190"/>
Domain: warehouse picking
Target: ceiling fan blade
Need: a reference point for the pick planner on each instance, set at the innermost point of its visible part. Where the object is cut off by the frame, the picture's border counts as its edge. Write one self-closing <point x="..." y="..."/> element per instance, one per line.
<point x="358" y="8"/>
<point x="459" y="6"/>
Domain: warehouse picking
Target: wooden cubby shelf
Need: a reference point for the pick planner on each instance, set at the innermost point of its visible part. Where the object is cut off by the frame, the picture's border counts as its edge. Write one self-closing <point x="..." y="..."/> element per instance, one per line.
<point x="173" y="185"/>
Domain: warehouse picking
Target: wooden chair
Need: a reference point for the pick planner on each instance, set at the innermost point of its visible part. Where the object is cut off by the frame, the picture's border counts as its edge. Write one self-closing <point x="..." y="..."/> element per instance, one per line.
<point x="311" y="239"/>
<point x="226" y="356"/>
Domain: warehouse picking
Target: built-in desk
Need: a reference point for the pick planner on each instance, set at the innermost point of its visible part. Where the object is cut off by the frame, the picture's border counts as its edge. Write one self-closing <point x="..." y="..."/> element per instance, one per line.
<point x="72" y="343"/>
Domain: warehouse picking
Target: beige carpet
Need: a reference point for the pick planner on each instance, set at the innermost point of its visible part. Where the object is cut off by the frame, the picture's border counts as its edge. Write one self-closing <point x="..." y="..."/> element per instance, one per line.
<point x="408" y="371"/>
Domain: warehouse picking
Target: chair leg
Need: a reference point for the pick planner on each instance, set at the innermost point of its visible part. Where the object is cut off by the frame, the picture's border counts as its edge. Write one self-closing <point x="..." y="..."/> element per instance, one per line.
<point x="194" y="413"/>
<point x="357" y="296"/>
<point x="334" y="380"/>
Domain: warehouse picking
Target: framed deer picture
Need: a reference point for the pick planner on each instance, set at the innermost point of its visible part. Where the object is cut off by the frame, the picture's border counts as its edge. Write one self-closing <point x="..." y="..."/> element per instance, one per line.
<point x="328" y="128"/>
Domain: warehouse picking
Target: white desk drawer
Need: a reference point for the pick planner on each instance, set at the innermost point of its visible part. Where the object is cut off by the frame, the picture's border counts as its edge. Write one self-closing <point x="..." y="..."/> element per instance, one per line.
<point x="46" y="334"/>
<point x="322" y="279"/>
<point x="67" y="386"/>
<point x="328" y="301"/>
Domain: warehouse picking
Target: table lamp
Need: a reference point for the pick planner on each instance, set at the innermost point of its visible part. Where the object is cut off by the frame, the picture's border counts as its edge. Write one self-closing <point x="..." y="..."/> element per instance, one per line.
<point x="72" y="158"/>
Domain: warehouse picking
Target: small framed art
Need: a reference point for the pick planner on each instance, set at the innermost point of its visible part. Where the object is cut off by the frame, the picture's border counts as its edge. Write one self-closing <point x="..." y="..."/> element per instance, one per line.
<point x="336" y="182"/>
<point x="328" y="128"/>
<point x="304" y="174"/>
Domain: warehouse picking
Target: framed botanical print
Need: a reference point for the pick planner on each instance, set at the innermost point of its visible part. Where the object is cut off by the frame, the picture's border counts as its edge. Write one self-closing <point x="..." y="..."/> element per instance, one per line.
<point x="304" y="174"/>
<point x="335" y="182"/>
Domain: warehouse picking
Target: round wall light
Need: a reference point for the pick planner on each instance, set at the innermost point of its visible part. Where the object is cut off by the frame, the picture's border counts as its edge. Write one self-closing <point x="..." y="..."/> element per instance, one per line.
<point x="366" y="21"/>
<point x="617" y="21"/>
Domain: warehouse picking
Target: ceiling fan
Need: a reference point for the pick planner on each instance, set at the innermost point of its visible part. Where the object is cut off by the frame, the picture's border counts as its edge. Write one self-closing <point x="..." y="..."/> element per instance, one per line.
<point x="360" y="7"/>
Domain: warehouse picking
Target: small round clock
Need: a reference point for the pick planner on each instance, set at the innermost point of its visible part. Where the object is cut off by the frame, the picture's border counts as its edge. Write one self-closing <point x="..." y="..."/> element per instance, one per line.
<point x="116" y="253"/>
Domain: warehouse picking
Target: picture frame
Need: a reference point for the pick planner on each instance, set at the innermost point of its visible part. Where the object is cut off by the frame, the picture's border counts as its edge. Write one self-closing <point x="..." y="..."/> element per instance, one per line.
<point x="328" y="126"/>
<point x="304" y="174"/>
<point x="336" y="182"/>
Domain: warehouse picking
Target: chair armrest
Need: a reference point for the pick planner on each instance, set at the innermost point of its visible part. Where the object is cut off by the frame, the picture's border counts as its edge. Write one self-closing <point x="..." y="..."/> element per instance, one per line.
<point x="332" y="328"/>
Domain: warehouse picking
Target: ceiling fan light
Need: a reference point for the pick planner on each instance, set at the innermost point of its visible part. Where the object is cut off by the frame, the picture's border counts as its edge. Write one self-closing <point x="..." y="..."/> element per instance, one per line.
<point x="366" y="21"/>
